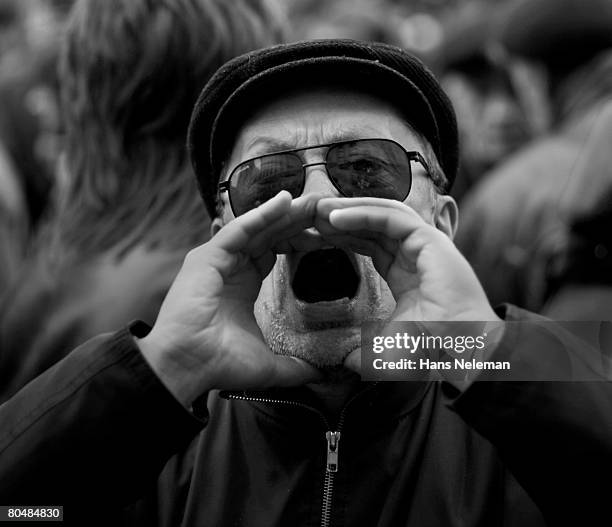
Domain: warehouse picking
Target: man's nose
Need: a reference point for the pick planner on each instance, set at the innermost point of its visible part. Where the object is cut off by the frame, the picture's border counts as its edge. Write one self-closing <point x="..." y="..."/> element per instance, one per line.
<point x="317" y="181"/>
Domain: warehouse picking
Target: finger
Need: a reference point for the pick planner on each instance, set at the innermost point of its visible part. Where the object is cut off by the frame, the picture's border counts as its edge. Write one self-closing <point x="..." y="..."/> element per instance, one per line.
<point x="291" y="371"/>
<point x="297" y="220"/>
<point x="328" y="231"/>
<point x="264" y="263"/>
<point x="422" y="236"/>
<point x="237" y="233"/>
<point x="354" y="244"/>
<point x="381" y="257"/>
<point x="305" y="241"/>
<point x="353" y="361"/>
<point x="394" y="223"/>
<point x="326" y="205"/>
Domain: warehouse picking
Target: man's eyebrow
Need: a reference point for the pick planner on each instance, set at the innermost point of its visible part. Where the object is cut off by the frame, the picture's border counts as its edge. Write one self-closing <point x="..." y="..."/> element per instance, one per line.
<point x="350" y="134"/>
<point x="263" y="145"/>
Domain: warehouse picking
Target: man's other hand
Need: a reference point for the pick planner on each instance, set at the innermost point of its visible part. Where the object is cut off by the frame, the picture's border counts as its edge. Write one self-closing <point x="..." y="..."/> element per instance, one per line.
<point x="429" y="278"/>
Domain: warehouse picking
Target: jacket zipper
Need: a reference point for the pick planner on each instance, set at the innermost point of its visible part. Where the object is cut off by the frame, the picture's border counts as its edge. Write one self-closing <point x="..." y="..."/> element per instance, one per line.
<point x="331" y="468"/>
<point x="332" y="439"/>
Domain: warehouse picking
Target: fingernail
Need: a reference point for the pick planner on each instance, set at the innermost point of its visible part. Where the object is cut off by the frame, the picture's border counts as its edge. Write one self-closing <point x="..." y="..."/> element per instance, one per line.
<point x="333" y="214"/>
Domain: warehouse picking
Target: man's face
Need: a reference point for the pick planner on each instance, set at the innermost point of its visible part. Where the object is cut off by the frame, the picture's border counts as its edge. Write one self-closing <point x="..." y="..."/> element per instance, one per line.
<point x="312" y="304"/>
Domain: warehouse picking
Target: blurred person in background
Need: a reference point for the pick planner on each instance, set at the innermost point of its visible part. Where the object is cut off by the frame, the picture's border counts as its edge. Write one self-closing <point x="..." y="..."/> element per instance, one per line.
<point x="496" y="116"/>
<point x="512" y="223"/>
<point x="580" y="285"/>
<point x="127" y="205"/>
<point x="29" y="97"/>
<point x="368" y="20"/>
<point x="13" y="220"/>
<point x="580" y="275"/>
<point x="15" y="214"/>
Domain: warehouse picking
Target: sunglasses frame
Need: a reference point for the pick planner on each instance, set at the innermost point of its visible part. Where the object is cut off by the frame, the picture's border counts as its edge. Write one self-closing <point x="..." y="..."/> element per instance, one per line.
<point x="412" y="155"/>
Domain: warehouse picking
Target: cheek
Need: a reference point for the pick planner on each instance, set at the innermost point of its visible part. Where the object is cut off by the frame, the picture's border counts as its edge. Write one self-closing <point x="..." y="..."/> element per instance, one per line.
<point x="264" y="305"/>
<point x="228" y="215"/>
<point x="378" y="295"/>
<point x="274" y="287"/>
<point x="422" y="199"/>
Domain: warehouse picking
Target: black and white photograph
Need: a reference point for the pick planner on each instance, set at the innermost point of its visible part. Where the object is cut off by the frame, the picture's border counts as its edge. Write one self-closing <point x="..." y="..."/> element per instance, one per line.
<point x="306" y="263"/>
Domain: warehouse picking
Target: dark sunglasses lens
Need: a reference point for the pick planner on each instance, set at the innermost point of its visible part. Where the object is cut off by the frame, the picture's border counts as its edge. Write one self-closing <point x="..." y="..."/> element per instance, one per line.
<point x="256" y="181"/>
<point x="372" y="167"/>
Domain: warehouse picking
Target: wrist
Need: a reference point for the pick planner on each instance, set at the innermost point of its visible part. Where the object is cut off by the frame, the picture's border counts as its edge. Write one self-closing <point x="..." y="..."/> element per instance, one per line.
<point x="185" y="383"/>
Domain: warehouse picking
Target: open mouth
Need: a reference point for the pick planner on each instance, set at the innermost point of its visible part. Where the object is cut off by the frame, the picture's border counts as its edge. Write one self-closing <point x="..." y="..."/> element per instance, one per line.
<point x="325" y="275"/>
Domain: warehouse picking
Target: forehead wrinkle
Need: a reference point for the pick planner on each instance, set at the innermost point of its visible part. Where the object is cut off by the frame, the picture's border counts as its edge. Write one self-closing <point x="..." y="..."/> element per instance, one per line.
<point x="263" y="135"/>
<point x="265" y="145"/>
<point x="328" y="133"/>
<point x="334" y="132"/>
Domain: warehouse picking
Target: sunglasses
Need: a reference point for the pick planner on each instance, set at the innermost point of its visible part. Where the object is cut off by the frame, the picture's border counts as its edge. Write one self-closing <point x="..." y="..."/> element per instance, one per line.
<point x="379" y="168"/>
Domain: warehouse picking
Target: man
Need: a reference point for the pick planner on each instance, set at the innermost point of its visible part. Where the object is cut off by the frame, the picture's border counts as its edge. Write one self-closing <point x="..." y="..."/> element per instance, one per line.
<point x="364" y="140"/>
<point x="130" y="75"/>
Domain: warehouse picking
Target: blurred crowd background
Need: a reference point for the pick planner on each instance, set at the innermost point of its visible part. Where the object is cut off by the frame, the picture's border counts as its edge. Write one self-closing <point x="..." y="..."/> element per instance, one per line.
<point x="97" y="203"/>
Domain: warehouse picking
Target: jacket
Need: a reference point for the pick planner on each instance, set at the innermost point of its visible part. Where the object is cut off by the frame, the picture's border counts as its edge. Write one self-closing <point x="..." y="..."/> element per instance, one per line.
<point x="99" y="434"/>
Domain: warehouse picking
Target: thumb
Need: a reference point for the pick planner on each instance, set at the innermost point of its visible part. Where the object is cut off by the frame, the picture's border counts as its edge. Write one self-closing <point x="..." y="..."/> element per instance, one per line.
<point x="353" y="361"/>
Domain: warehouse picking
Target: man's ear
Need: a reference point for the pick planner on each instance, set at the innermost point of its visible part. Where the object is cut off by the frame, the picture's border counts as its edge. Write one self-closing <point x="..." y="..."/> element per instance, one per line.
<point x="447" y="215"/>
<point x="215" y="226"/>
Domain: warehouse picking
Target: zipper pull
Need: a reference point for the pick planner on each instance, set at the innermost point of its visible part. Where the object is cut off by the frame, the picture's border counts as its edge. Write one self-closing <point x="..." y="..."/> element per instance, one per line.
<point x="332" y="450"/>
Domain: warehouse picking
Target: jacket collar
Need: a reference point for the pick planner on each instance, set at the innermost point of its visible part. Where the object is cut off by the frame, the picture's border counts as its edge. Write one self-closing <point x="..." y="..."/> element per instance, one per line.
<point x="376" y="402"/>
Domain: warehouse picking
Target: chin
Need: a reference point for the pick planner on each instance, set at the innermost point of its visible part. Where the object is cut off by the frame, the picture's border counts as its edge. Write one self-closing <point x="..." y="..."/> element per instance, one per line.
<point x="323" y="348"/>
<point x="313" y="304"/>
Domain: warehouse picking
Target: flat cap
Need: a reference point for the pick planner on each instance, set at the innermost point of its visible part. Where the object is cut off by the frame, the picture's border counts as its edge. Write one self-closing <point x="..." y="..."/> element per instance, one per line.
<point x="247" y="82"/>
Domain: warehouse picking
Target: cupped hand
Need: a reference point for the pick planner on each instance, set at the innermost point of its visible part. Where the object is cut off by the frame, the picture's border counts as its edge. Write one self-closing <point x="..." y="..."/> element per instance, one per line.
<point x="427" y="275"/>
<point x="206" y="335"/>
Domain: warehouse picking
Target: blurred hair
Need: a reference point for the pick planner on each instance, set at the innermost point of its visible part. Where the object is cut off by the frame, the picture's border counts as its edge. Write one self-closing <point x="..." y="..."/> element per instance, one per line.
<point x="61" y="6"/>
<point x="561" y="34"/>
<point x="130" y="73"/>
<point x="9" y="14"/>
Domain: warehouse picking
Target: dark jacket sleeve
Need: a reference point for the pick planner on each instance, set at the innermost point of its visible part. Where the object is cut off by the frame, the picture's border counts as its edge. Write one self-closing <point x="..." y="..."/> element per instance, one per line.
<point x="94" y="430"/>
<point x="555" y="436"/>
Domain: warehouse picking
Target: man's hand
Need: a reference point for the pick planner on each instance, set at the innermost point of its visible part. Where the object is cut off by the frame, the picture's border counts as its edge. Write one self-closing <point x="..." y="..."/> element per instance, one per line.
<point x="206" y="335"/>
<point x="429" y="278"/>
